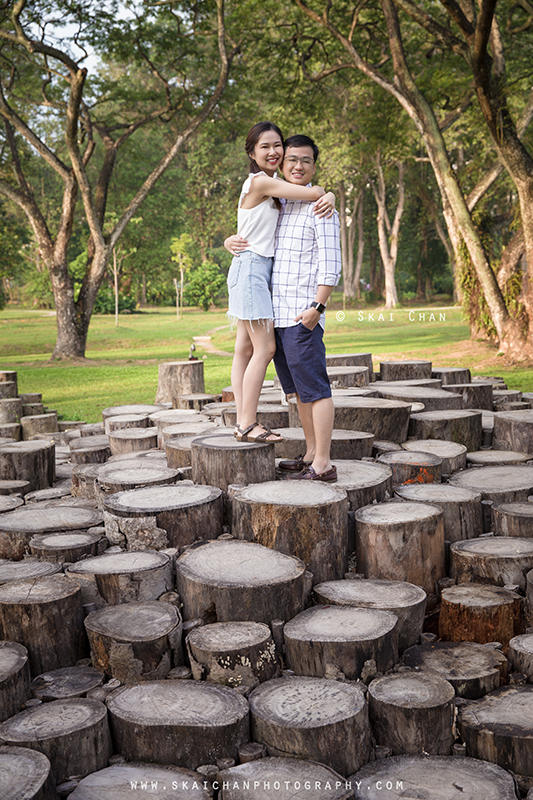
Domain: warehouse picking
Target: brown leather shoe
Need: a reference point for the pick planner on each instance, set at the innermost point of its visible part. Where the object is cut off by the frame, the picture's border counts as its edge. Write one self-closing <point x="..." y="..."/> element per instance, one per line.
<point x="308" y="474"/>
<point x="294" y="465"/>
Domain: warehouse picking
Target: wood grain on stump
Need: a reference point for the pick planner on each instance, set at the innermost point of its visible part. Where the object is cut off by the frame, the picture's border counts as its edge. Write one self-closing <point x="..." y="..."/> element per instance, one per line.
<point x="473" y="395"/>
<point x="8" y="375"/>
<point x="10" y="503"/>
<point x="463" y="427"/>
<point x="72" y="734"/>
<point x="461" y="508"/>
<point x="451" y="375"/>
<point x="232" y="653"/>
<point x="178" y="451"/>
<point x="223" y="581"/>
<point x="498" y="728"/>
<point x="284" y="779"/>
<point x="269" y="414"/>
<point x="8" y="487"/>
<point x="521" y="655"/>
<point x="405" y="600"/>
<point x="404" y="370"/>
<point x="18" y="527"/>
<point x="222" y="460"/>
<point x="128" y="440"/>
<point x="60" y="684"/>
<point x="348" y="376"/>
<point x="186" y="723"/>
<point x="133" y="408"/>
<point x="28" y="461"/>
<point x="498" y="560"/>
<point x="195" y="401"/>
<point x="8" y="389"/>
<point x="10" y="409"/>
<point x="192" y="428"/>
<point x="163" y="516"/>
<point x="164" y="782"/>
<point x="121" y="421"/>
<point x="350" y="360"/>
<point x="473" y="670"/>
<point x="433" y="777"/>
<point x="472" y="612"/>
<point x="453" y="455"/>
<point x="342" y="636"/>
<point x="124" y="577"/>
<point x="25" y="775"/>
<point x="304" y="717"/>
<point x="125" y="475"/>
<point x="500" y="484"/>
<point x="38" y="423"/>
<point x="179" y="377"/>
<point x="352" y="445"/>
<point x="307" y="521"/>
<point x="14" y="679"/>
<point x="513" y="430"/>
<point x="26" y="570"/>
<point x="433" y="399"/>
<point x="386" y="419"/>
<point x="364" y="482"/>
<point x="412" y="713"/>
<point x="90" y="449"/>
<point x="413" y="467"/>
<point x="401" y="541"/>
<point x="496" y="458"/>
<point x="135" y="641"/>
<point x="10" y="431"/>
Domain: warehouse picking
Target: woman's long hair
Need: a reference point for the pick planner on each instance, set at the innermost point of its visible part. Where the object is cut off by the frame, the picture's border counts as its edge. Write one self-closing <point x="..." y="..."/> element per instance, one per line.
<point x="254" y="134"/>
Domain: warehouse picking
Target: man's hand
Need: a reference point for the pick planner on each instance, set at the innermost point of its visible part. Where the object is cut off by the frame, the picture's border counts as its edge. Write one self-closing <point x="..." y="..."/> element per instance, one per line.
<point x="236" y="244"/>
<point x="309" y="318"/>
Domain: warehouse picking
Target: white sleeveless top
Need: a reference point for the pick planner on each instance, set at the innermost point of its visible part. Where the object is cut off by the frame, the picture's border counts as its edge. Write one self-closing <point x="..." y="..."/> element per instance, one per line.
<point x="258" y="224"/>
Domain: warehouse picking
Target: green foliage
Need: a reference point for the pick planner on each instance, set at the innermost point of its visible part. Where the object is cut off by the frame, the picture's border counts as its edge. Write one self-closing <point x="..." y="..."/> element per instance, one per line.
<point x="204" y="285"/>
<point x="105" y="302"/>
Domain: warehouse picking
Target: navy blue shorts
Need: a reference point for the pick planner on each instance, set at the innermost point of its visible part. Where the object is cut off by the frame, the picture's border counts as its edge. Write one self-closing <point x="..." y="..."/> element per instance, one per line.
<point x="301" y="362"/>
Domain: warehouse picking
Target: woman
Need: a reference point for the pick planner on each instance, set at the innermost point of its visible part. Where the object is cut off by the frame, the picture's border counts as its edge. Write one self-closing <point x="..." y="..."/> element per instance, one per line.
<point x="250" y="301"/>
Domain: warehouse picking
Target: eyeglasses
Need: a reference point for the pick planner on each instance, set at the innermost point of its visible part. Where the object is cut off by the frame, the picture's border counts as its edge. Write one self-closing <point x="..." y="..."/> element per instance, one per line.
<point x="305" y="162"/>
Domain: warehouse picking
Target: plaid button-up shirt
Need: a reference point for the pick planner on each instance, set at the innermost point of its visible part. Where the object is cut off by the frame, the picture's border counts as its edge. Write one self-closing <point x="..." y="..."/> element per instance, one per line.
<point x="307" y="255"/>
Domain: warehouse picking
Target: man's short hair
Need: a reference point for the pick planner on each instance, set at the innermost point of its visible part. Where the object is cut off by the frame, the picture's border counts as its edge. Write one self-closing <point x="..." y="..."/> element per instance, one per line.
<point x="301" y="140"/>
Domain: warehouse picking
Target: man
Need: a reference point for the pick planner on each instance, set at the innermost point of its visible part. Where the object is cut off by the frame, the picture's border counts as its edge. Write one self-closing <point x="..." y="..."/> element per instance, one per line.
<point x="307" y="265"/>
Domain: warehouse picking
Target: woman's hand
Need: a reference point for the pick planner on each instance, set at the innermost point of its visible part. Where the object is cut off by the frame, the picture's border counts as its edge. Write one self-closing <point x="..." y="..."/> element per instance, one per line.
<point x="325" y="207"/>
<point x="236" y="244"/>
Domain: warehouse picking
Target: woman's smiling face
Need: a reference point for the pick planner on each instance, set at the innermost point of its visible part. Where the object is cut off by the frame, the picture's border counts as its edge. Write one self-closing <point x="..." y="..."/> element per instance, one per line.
<point x="268" y="152"/>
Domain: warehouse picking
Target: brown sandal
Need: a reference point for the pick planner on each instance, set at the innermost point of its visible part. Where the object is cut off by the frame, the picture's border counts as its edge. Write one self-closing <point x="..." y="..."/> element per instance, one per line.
<point x="243" y="435"/>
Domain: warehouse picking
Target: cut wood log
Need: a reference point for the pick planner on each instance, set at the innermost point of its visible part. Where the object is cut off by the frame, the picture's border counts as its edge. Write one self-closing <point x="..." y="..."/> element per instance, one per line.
<point x="90" y="449"/>
<point x="404" y="370"/>
<point x="91" y="429"/>
<point x="128" y="440"/>
<point x="13" y="487"/>
<point x="18" y="527"/>
<point x="162" y="419"/>
<point x="178" y="451"/>
<point x="386" y="419"/>
<point x="364" y="482"/>
<point x="10" y="503"/>
<point x="350" y="360"/>
<point x="30" y="397"/>
<point x="405" y="600"/>
<point x="447" y="776"/>
<point x="310" y="523"/>
<point x="124" y="577"/>
<point x="496" y="458"/>
<point x="28" y="461"/>
<point x="119" y="422"/>
<point x="498" y="560"/>
<point x="497" y="728"/>
<point x="192" y="428"/>
<point x="135" y="641"/>
<point x="186" y="723"/>
<point x="224" y="581"/>
<point x="26" y="570"/>
<point x="179" y="377"/>
<point x="288" y="777"/>
<point x="10" y="409"/>
<point x="521" y="655"/>
<point x="15" y="680"/>
<point x="473" y="395"/>
<point x="451" y="375"/>
<point x="433" y="399"/>
<point x="163" y="781"/>
<point x="38" y="423"/>
<point x="133" y="408"/>
<point x="232" y="653"/>
<point x="61" y="489"/>
<point x="472" y="612"/>
<point x="68" y="682"/>
<point x="73" y="734"/>
<point x="325" y="721"/>
<point x="8" y="375"/>
<point x="25" y="774"/>
<point x="413" y="713"/>
<point x="511" y="484"/>
<point x="41" y="611"/>
<point x="461" y="508"/>
<point x="8" y="389"/>
<point x="220" y="461"/>
<point x="163" y="516"/>
<point x="463" y="427"/>
<point x="125" y="475"/>
<point x="269" y="414"/>
<point x="352" y="445"/>
<point x="195" y="401"/>
<point x="34" y="409"/>
<point x="453" y="455"/>
<point x="348" y="376"/>
<point x="10" y="431"/>
<point x="513" y="430"/>
<point x="401" y="541"/>
<point x="413" y="467"/>
<point x="84" y="479"/>
<point x="473" y="670"/>
<point x="342" y="636"/>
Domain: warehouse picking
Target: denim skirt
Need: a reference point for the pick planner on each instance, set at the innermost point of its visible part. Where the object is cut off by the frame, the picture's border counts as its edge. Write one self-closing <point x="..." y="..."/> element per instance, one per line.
<point x="249" y="287"/>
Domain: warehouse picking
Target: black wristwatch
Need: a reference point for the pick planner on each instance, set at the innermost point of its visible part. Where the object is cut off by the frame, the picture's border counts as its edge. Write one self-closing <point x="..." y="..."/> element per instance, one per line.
<point x="320" y="307"/>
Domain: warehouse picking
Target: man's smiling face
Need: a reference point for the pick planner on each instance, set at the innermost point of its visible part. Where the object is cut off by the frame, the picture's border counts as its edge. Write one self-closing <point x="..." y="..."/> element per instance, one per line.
<point x="299" y="165"/>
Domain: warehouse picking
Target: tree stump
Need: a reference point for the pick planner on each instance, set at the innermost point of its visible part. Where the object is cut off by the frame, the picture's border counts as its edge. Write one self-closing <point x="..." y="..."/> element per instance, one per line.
<point x="498" y="560"/>
<point x="405" y="600"/>
<point x="14" y="680"/>
<point x="521" y="655"/>
<point x="461" y="508"/>
<point x="178" y="450"/>
<point x="433" y="776"/>
<point x="325" y="721"/>
<point x="499" y="484"/>
<point x="221" y="460"/>
<point x="364" y="482"/>
<point x="232" y="653"/>
<point x="386" y="419"/>
<point x="179" y="377"/>
<point x="404" y="370"/>
<point x="30" y="397"/>
<point x="127" y="475"/>
<point x="10" y="432"/>
<point x="283" y="778"/>
<point x="8" y="389"/>
<point x="178" y="722"/>
<point x="25" y="774"/>
<point x="433" y="399"/>
<point x="128" y="440"/>
<point x="114" y="781"/>
<point x="497" y="728"/>
<point x="83" y="480"/>
<point x="10" y="503"/>
<point x="352" y="445"/>
<point x="342" y="636"/>
<point x="513" y="430"/>
<point x="463" y="427"/>
<point x="37" y="409"/>
<point x="310" y="523"/>
<point x="451" y="375"/>
<point x="453" y="455"/>
<point x="401" y="541"/>
<point x="13" y="487"/>
<point x="28" y="461"/>
<point x="163" y="516"/>
<point x="39" y="611"/>
<point x="91" y="429"/>
<point x="69" y="682"/>
<point x="224" y="581"/>
<point x="193" y="428"/>
<point x="506" y="396"/>
<point x="73" y="734"/>
<point x="119" y="422"/>
<point x="8" y="375"/>
<point x="124" y="577"/>
<point x="90" y="449"/>
<point x="348" y="376"/>
<point x="412" y="713"/>
<point x="10" y="409"/>
<point x="26" y="570"/>
<point x="18" y="527"/>
<point x="350" y="360"/>
<point x="472" y="612"/>
<point x="133" y="408"/>
<point x="163" y="419"/>
<point x="473" y="395"/>
<point x="135" y="641"/>
<point x="195" y="401"/>
<point x="496" y="458"/>
<point x="269" y="414"/>
<point x="38" y="423"/>
<point x="413" y="467"/>
<point x="213" y="411"/>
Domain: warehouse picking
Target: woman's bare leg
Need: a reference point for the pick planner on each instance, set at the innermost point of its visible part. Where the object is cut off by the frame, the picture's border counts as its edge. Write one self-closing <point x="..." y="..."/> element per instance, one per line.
<point x="264" y="347"/>
<point x="243" y="353"/>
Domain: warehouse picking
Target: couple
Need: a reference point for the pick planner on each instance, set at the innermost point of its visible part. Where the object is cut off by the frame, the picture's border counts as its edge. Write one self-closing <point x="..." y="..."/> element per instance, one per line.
<point x="279" y="302"/>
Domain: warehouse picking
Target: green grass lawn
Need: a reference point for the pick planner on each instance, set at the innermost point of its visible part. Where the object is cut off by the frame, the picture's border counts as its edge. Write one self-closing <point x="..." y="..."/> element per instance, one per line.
<point x="122" y="362"/>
